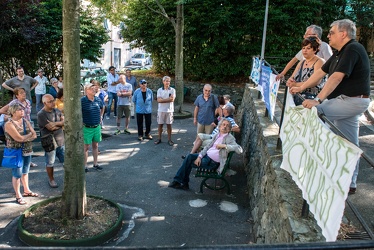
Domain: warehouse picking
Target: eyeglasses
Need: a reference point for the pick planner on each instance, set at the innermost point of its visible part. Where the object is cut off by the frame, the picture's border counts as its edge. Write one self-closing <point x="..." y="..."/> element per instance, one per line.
<point x="332" y="32"/>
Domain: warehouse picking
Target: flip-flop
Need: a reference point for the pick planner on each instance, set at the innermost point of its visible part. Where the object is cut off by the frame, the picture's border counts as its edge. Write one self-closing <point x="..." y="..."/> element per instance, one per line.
<point x="31" y="194"/>
<point x="171" y="143"/>
<point x="21" y="201"/>
<point x="158" y="141"/>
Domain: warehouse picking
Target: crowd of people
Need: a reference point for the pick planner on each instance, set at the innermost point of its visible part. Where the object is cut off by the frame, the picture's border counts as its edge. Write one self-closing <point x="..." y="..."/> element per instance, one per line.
<point x="342" y="97"/>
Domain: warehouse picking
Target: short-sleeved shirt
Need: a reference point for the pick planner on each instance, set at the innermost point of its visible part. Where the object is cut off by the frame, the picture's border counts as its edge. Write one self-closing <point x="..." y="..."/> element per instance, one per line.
<point x="26" y="84"/>
<point x="26" y="108"/>
<point x="41" y="88"/>
<point x="110" y="79"/>
<point x="124" y="88"/>
<point x="164" y="94"/>
<point x="54" y="116"/>
<point x="91" y="110"/>
<point x="353" y="61"/>
<point x="132" y="81"/>
<point x="206" y="113"/>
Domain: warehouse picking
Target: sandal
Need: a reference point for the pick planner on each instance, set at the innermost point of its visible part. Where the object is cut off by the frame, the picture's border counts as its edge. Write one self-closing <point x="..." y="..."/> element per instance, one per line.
<point x="158" y="141"/>
<point x="171" y="143"/>
<point x="21" y="201"/>
<point x="31" y="194"/>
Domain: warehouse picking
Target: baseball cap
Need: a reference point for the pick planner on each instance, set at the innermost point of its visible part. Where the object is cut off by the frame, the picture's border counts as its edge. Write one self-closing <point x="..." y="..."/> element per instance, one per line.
<point x="142" y="81"/>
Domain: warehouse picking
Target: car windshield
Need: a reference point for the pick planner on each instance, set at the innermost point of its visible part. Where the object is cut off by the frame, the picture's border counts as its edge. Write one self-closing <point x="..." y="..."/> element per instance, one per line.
<point x="138" y="56"/>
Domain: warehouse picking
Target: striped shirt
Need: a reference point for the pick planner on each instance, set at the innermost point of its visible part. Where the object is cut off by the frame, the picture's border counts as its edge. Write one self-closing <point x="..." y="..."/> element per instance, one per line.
<point x="91" y="110"/>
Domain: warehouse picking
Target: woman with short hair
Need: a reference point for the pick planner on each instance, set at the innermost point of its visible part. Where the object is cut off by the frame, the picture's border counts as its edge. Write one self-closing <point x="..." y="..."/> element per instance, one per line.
<point x="20" y="134"/>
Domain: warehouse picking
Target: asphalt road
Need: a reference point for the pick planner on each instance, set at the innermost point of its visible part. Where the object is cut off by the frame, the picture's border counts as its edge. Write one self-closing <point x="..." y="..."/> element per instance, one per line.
<point x="136" y="175"/>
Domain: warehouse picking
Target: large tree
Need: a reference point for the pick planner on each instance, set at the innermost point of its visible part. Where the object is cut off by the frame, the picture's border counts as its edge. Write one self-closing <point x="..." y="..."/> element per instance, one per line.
<point x="74" y="193"/>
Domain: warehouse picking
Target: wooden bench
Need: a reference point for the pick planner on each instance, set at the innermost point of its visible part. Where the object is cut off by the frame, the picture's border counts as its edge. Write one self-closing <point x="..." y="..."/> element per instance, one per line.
<point x="212" y="174"/>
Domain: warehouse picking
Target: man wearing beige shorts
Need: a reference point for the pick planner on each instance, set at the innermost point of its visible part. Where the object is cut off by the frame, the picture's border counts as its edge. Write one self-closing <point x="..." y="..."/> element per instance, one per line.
<point x="165" y="99"/>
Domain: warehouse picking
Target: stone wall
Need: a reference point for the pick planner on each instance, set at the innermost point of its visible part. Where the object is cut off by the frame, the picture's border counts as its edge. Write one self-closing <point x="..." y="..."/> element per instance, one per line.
<point x="275" y="201"/>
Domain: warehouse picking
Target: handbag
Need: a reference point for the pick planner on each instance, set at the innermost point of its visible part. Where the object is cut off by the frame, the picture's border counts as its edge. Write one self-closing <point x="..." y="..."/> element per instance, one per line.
<point x="48" y="143"/>
<point x="13" y="157"/>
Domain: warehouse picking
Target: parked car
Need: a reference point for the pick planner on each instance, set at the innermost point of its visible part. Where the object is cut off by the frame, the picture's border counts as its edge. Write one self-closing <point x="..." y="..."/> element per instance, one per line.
<point x="97" y="74"/>
<point x="141" y="59"/>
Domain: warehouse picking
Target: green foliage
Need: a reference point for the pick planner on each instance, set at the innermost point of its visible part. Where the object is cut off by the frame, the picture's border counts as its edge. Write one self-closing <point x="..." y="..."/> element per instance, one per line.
<point x="222" y="36"/>
<point x="34" y="36"/>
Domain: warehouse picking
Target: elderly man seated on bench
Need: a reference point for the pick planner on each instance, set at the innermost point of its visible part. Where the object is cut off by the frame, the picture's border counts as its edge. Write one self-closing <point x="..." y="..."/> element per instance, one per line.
<point x="213" y="156"/>
<point x="204" y="139"/>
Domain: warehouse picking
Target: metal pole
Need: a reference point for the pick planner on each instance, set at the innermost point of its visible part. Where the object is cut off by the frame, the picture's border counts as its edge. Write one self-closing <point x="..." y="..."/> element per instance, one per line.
<point x="264" y="32"/>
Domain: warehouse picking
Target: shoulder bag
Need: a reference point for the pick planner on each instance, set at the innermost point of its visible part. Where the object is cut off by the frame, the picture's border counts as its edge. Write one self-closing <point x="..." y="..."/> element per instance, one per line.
<point x="12" y="157"/>
<point x="48" y="141"/>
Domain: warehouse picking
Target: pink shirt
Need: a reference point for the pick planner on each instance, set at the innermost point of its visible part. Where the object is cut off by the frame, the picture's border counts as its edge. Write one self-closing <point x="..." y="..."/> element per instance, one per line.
<point x="213" y="152"/>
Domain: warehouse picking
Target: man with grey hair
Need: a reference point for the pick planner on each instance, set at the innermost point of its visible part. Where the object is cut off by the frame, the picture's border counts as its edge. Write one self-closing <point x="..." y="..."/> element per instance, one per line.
<point x="165" y="99"/>
<point x="324" y="52"/>
<point x="212" y="157"/>
<point x="203" y="139"/>
<point x="345" y="95"/>
<point x="204" y="113"/>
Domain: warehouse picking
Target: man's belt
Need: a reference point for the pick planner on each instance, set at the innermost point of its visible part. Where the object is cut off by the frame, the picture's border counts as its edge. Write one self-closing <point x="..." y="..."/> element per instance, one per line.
<point x="91" y="126"/>
<point x="361" y="96"/>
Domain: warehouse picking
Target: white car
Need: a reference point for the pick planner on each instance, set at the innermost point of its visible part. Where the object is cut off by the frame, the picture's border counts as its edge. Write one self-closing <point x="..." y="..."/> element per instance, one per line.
<point x="141" y="59"/>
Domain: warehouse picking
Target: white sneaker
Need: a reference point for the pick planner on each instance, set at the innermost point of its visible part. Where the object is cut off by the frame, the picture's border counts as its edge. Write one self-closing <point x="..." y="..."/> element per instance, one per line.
<point x="107" y="117"/>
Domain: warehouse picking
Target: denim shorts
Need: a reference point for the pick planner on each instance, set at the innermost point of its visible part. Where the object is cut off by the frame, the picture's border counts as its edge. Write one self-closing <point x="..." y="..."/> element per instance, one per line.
<point x="18" y="172"/>
<point x="50" y="157"/>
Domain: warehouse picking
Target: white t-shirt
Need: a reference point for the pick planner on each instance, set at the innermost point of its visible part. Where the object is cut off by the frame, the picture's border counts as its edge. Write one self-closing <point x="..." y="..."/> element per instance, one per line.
<point x="123" y="88"/>
<point x="41" y="88"/>
<point x="164" y="94"/>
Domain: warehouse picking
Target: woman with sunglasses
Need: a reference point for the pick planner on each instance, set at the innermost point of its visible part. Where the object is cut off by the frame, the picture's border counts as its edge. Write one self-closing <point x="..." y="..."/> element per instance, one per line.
<point x="305" y="68"/>
<point x="20" y="134"/>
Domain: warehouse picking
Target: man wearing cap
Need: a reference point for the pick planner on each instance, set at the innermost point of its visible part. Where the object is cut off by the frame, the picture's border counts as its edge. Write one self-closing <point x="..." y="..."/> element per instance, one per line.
<point x="40" y="89"/>
<point x="132" y="80"/>
<point x="21" y="80"/>
<point x="92" y="111"/>
<point x="112" y="80"/>
<point x="143" y="98"/>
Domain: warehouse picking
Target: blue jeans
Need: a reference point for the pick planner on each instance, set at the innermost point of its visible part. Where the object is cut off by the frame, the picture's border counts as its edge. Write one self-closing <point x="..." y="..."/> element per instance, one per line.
<point x="183" y="174"/>
<point x="39" y="103"/>
<point x="344" y="112"/>
<point x="50" y="157"/>
<point x="112" y="96"/>
<point x="18" y="172"/>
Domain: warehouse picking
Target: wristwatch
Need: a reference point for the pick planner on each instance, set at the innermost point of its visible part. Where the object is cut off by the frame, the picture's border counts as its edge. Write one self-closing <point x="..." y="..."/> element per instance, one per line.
<point x="318" y="100"/>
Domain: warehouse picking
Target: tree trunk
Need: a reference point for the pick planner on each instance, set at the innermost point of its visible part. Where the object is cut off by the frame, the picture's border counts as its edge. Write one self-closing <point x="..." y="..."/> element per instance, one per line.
<point x="179" y="86"/>
<point x="74" y="193"/>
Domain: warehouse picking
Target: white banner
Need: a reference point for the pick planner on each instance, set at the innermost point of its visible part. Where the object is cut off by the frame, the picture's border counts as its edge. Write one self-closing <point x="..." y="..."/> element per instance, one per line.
<point x="321" y="164"/>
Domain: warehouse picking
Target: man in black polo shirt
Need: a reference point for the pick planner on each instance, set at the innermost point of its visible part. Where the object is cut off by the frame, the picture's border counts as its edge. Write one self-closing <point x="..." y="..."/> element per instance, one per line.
<point x="92" y="112"/>
<point x="345" y="95"/>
